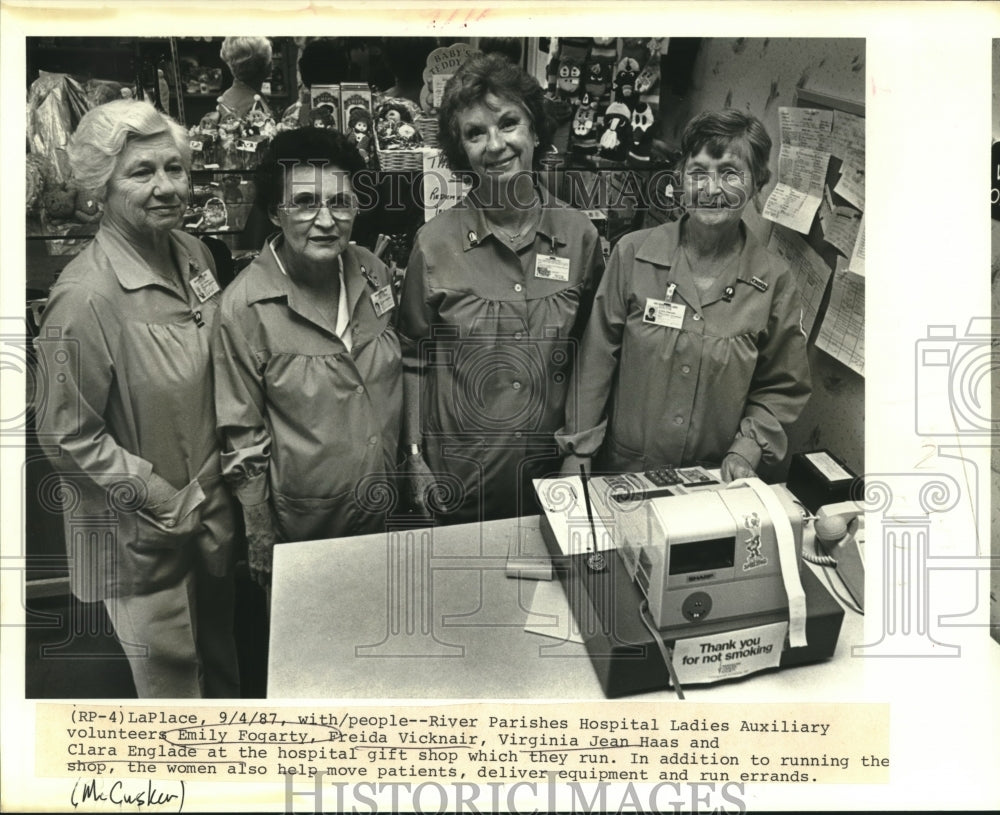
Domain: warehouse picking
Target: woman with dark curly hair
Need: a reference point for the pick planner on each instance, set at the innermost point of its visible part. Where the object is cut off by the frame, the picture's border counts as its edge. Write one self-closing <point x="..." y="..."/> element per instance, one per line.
<point x="496" y="290"/>
<point x="695" y="352"/>
<point x="307" y="365"/>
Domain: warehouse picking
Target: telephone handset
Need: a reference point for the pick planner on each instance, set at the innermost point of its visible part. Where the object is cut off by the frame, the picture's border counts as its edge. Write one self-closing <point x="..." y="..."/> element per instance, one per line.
<point x="838" y="528"/>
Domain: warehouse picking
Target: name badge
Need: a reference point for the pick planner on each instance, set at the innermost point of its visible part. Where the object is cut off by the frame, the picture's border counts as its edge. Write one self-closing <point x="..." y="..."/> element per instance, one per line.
<point x="382" y="300"/>
<point x="660" y="312"/>
<point x="205" y="285"/>
<point x="550" y="267"/>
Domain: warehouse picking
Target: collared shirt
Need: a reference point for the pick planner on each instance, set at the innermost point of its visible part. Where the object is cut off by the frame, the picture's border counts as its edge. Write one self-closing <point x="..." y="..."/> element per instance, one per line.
<point x="304" y="420"/>
<point x="730" y="378"/>
<point x="126" y="361"/>
<point x="343" y="314"/>
<point x="495" y="344"/>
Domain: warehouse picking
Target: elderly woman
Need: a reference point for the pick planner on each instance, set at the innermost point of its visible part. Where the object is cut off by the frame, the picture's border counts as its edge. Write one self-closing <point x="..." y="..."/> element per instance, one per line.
<point x="695" y="352"/>
<point x="129" y="410"/>
<point x="307" y="364"/>
<point x="249" y="61"/>
<point x="495" y="294"/>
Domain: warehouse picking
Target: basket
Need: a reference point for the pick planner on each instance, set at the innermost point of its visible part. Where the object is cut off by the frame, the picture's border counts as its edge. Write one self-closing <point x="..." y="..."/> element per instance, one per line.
<point x="406" y="159"/>
<point x="428" y="127"/>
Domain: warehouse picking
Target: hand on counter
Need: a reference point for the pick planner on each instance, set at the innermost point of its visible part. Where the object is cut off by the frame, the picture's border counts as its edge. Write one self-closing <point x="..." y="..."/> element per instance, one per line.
<point x="734" y="466"/>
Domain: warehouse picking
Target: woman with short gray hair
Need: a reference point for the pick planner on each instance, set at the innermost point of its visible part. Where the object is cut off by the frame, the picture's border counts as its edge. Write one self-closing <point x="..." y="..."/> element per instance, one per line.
<point x="129" y="412"/>
<point x="695" y="352"/>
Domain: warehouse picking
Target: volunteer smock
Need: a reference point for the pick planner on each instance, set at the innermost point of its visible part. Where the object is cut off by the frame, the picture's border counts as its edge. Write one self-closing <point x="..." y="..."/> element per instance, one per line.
<point x="491" y="328"/>
<point x="127" y="391"/>
<point x="307" y="423"/>
<point x="730" y="378"/>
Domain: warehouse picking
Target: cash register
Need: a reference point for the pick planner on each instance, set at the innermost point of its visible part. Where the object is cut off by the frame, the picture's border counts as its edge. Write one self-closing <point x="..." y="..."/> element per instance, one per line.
<point x="675" y="578"/>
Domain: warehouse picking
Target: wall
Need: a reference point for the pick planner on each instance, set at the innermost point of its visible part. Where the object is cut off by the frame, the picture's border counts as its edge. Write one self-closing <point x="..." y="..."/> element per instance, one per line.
<point x="760" y="75"/>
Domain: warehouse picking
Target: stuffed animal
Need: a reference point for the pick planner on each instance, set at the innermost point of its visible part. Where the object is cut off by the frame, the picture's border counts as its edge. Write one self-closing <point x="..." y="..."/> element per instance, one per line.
<point x="585" y="124"/>
<point x="408" y="135"/>
<point x="649" y="76"/>
<point x="568" y="80"/>
<point x="598" y="78"/>
<point x="642" y="133"/>
<point x="322" y="117"/>
<point x="85" y="207"/>
<point x="625" y="82"/>
<point x="362" y="138"/>
<point x="59" y="202"/>
<point x="617" y="134"/>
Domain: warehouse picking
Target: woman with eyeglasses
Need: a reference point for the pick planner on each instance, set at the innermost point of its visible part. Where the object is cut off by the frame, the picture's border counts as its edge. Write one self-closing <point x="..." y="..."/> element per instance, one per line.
<point x="695" y="352"/>
<point x="307" y="363"/>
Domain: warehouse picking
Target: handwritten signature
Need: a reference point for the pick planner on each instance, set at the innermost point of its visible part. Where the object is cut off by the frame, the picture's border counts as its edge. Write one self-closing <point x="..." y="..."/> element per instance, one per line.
<point x="134" y="793"/>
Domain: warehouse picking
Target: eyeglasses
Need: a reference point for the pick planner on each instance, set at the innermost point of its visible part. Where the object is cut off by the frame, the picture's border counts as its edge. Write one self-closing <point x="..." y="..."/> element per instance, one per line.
<point x="306" y="207"/>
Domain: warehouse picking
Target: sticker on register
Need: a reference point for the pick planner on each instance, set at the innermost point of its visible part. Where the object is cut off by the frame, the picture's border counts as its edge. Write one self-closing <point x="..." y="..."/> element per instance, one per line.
<point x="701" y="660"/>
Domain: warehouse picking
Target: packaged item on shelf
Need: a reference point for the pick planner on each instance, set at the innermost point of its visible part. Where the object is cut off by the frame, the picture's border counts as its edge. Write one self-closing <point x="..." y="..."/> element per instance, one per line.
<point x="354" y="96"/>
<point x="324" y="102"/>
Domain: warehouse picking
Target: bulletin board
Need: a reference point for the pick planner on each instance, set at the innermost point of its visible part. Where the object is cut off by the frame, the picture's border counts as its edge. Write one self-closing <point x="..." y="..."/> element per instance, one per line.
<point x="823" y="242"/>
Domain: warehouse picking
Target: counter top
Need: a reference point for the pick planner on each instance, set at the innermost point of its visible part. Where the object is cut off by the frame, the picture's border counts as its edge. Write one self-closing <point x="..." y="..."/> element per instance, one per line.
<point x="431" y="613"/>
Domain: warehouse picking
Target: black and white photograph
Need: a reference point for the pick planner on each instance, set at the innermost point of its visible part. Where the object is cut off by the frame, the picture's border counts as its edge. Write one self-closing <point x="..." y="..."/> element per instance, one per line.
<point x="463" y="411"/>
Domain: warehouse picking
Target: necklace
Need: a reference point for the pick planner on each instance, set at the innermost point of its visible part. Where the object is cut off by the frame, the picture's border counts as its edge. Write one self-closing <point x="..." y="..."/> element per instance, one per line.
<point x="512" y="236"/>
<point x="532" y="222"/>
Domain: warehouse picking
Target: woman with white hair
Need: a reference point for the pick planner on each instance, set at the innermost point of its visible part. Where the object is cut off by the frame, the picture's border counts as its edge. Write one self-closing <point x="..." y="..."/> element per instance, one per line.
<point x="128" y="408"/>
<point x="249" y="60"/>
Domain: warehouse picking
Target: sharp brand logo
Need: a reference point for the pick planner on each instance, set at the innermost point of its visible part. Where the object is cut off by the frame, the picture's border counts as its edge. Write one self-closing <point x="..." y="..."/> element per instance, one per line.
<point x="695" y="577"/>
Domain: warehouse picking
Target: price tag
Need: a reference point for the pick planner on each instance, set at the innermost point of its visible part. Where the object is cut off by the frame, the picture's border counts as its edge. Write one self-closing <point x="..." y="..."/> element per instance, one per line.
<point x="197" y="145"/>
<point x="247" y="146"/>
<point x="383" y="301"/>
<point x="550" y="267"/>
<point x="205" y="285"/>
<point x="660" y="312"/>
